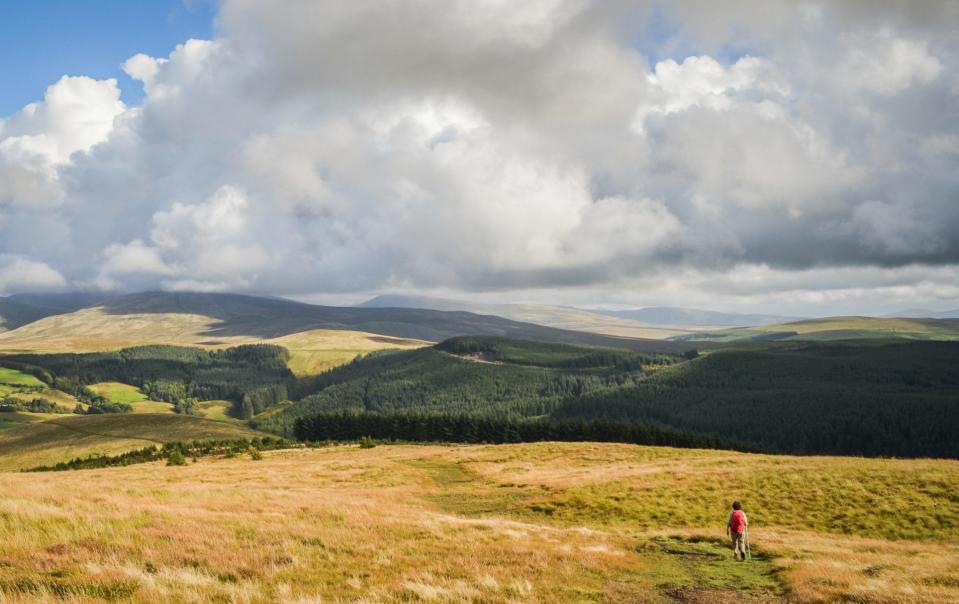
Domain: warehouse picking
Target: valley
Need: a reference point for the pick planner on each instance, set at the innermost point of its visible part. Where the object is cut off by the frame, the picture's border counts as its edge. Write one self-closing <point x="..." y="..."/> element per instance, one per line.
<point x="432" y="302"/>
<point x="599" y="512"/>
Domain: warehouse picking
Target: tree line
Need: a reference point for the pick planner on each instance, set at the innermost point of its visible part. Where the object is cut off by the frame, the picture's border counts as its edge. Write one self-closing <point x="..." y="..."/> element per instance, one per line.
<point x="179" y="450"/>
<point x="468" y="428"/>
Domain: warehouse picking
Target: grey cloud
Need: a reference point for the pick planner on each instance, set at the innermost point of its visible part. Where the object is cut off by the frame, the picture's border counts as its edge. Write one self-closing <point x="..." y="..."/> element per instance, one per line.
<point x="506" y="146"/>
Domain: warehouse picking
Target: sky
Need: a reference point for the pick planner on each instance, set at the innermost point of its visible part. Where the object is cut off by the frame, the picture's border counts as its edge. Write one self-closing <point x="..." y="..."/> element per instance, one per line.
<point x="42" y="40"/>
<point x="762" y="155"/>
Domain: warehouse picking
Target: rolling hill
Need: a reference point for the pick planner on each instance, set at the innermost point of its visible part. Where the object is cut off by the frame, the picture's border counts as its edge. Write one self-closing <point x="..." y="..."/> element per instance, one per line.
<point x="230" y="319"/>
<point x="491" y="376"/>
<point x="848" y="398"/>
<point x="95" y="330"/>
<point x="837" y="328"/>
<point x="561" y="317"/>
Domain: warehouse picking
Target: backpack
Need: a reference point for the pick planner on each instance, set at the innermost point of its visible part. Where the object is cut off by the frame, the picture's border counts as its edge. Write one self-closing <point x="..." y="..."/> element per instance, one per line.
<point x="737" y="522"/>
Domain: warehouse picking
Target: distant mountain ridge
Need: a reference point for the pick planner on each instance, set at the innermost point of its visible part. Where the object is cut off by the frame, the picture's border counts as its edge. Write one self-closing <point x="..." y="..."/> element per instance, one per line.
<point x="837" y="328"/>
<point x="237" y="315"/>
<point x="923" y="313"/>
<point x="63" y="302"/>
<point x="14" y="314"/>
<point x="561" y="317"/>
<point x="670" y="315"/>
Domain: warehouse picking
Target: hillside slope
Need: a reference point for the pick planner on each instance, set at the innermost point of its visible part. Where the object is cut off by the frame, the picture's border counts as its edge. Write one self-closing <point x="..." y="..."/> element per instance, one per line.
<point x="477" y="375"/>
<point x="94" y="330"/>
<point x="219" y="319"/>
<point x="873" y="398"/>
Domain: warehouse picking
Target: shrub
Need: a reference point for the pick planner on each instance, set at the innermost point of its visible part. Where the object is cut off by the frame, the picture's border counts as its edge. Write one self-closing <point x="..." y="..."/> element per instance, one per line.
<point x="367" y="442"/>
<point x="176" y="458"/>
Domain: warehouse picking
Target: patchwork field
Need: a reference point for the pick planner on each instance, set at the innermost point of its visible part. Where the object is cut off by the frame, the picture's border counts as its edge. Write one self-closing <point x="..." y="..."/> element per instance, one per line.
<point x="12" y="377"/>
<point x="118" y="392"/>
<point x="215" y="410"/>
<point x="515" y="523"/>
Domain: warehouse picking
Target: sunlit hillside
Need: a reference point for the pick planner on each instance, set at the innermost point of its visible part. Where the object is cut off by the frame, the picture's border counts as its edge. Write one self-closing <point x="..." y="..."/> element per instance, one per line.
<point x="95" y="329"/>
<point x="838" y="328"/>
<point x="498" y="524"/>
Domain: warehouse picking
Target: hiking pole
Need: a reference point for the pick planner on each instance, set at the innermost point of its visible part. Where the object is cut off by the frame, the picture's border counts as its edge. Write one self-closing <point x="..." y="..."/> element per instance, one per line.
<point x="749" y="554"/>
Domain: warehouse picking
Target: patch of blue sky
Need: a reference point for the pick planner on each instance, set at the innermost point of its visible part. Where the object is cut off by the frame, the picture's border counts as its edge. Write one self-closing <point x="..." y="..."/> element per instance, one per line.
<point x="43" y="40"/>
<point x="663" y="38"/>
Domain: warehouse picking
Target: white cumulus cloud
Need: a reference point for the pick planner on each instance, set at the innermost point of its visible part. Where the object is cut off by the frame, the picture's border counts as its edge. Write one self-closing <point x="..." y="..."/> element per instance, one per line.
<point x="75" y="114"/>
<point x="19" y="274"/>
<point x="555" y="146"/>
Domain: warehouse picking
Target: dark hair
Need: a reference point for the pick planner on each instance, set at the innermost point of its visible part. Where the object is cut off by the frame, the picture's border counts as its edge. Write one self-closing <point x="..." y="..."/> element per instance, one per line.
<point x="737" y="505"/>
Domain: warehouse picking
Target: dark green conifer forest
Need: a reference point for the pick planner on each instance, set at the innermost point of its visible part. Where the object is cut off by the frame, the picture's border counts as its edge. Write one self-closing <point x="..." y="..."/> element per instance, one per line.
<point x="854" y="397"/>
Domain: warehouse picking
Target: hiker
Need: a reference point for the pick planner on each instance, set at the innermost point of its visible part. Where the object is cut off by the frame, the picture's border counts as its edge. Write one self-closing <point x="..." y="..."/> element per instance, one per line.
<point x="736" y="526"/>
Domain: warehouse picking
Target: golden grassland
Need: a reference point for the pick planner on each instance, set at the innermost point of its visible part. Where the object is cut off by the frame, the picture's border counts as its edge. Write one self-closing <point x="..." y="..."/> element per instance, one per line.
<point x="548" y="522"/>
<point x="94" y="330"/>
<point x="312" y="352"/>
<point x="54" y="438"/>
